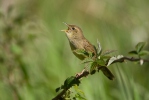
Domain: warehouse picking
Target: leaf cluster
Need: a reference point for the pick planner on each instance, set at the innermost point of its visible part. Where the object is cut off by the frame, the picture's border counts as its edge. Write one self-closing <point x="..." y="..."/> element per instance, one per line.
<point x="103" y="60"/>
<point x="139" y="50"/>
<point x="69" y="82"/>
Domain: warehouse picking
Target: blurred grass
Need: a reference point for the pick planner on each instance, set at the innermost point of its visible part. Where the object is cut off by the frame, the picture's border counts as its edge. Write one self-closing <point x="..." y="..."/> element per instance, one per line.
<point x="117" y="24"/>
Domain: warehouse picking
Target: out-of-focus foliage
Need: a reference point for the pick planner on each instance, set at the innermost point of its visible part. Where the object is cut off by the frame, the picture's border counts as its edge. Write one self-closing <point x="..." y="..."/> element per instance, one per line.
<point x="35" y="56"/>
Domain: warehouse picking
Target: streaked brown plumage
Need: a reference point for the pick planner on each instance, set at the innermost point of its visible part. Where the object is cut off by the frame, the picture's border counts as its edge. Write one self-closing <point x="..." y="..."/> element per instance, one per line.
<point x="78" y="41"/>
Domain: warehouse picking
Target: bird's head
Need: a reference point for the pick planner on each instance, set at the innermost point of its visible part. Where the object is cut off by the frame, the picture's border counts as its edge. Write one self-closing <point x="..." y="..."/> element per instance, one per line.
<point x="73" y="31"/>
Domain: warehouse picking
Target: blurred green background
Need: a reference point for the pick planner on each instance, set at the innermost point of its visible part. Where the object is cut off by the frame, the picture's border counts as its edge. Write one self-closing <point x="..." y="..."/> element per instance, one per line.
<point x="35" y="57"/>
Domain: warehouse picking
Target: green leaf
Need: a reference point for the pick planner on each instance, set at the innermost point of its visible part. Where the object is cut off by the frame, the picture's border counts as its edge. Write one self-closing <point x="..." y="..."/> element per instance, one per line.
<point x="101" y="62"/>
<point x="87" y="60"/>
<point x="84" y="53"/>
<point x="140" y="46"/>
<point x="143" y="53"/>
<point x="104" y="57"/>
<point x="133" y="52"/>
<point x="90" y="54"/>
<point x="70" y="81"/>
<point x="79" y="94"/>
<point x="57" y="89"/>
<point x="78" y="90"/>
<point x="79" y="97"/>
<point x="81" y="52"/>
<point x="93" y="68"/>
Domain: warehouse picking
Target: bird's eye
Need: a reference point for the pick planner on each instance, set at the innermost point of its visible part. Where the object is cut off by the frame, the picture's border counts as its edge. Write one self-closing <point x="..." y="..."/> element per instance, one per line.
<point x="73" y="28"/>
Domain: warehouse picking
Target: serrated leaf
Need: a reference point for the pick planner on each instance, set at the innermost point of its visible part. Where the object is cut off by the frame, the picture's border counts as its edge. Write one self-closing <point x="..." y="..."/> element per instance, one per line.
<point x="93" y="67"/>
<point x="101" y="62"/>
<point x="90" y="54"/>
<point x="140" y="46"/>
<point x="70" y="81"/>
<point x="79" y="97"/>
<point x="105" y="57"/>
<point x="78" y="90"/>
<point x="82" y="52"/>
<point x="79" y="51"/>
<point x="57" y="89"/>
<point x="143" y="53"/>
<point x="87" y="60"/>
<point x="133" y="52"/>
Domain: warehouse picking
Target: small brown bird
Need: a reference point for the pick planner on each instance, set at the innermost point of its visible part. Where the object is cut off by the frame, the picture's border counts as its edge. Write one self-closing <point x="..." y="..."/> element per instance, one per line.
<point x="78" y="41"/>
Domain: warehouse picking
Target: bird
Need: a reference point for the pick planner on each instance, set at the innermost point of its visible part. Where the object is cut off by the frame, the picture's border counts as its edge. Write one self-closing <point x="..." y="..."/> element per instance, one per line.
<point x="77" y="41"/>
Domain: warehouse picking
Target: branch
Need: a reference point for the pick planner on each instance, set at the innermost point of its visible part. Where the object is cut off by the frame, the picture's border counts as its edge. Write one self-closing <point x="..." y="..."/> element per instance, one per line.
<point x="84" y="73"/>
<point x="59" y="96"/>
<point x="130" y="59"/>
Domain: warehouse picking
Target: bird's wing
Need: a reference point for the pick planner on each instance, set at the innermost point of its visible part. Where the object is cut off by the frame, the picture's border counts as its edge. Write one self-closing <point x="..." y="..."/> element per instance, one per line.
<point x="89" y="47"/>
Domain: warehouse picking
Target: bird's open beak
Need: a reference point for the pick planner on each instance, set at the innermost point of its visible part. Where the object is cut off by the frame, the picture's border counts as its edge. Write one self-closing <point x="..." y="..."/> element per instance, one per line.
<point x="67" y="26"/>
<point x="64" y="30"/>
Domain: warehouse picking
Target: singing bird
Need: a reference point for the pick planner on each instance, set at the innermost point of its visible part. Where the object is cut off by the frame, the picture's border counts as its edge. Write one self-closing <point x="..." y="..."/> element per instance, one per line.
<point x="77" y="41"/>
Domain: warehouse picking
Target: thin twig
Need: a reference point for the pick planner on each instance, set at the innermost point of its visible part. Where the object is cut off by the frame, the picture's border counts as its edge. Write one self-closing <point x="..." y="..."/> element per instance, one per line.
<point x="129" y="59"/>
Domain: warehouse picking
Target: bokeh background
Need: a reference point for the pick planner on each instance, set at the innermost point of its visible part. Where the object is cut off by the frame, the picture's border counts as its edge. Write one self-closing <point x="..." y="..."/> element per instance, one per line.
<point x="35" y="57"/>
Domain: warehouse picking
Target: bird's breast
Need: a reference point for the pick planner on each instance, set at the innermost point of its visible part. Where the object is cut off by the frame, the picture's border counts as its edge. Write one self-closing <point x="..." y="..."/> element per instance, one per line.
<point x="75" y="45"/>
<point x="78" y="44"/>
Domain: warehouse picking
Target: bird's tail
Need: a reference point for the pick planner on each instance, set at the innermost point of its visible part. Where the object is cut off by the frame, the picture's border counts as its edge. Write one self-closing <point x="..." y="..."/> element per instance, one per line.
<point x="107" y="73"/>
